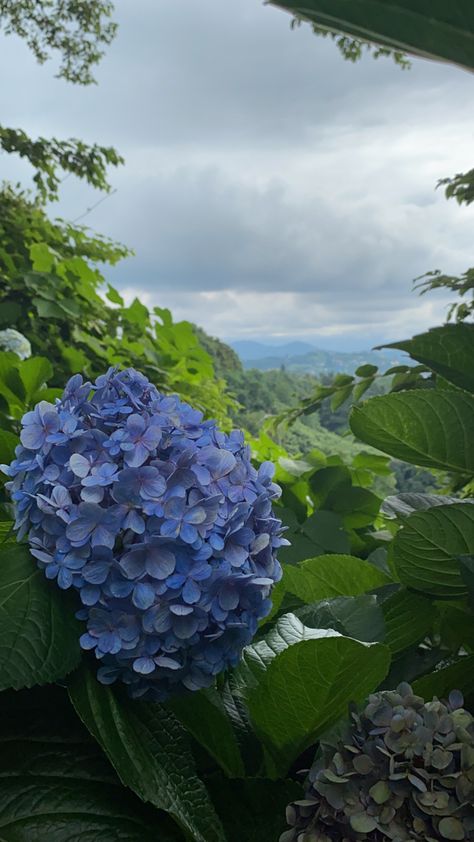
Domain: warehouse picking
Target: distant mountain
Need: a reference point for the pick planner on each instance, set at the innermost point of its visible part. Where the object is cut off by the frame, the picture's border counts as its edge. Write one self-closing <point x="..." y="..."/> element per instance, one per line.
<point x="312" y="360"/>
<point x="249" y="350"/>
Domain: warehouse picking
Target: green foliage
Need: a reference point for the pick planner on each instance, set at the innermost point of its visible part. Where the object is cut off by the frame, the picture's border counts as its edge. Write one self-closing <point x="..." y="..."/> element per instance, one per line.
<point x="428" y="546"/>
<point x="462" y="286"/>
<point x="207" y="720"/>
<point x="53" y="292"/>
<point x="52" y="158"/>
<point x="408" y="619"/>
<point x="75" y="31"/>
<point x="56" y="784"/>
<point x="353" y="49"/>
<point x="459" y="187"/>
<point x="430" y="428"/>
<point x="22" y="385"/>
<point x="437" y="31"/>
<point x="332" y="575"/>
<point x="39" y="638"/>
<point x="447" y="350"/>
<point x="288" y="711"/>
<point x="150" y="752"/>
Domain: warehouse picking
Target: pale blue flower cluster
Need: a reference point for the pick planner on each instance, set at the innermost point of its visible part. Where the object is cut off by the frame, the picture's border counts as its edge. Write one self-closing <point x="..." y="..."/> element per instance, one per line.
<point x="160" y="522"/>
<point x="14" y="341"/>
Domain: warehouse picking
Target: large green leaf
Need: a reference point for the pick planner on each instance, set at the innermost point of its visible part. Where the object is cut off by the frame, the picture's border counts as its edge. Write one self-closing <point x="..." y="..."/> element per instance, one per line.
<point x="330" y="576"/>
<point x="408" y="619"/>
<point x="322" y="532"/>
<point x="39" y="635"/>
<point x="34" y="373"/>
<point x="150" y="751"/>
<point x="205" y="717"/>
<point x="287" y="631"/>
<point x="56" y="785"/>
<point x="457" y="676"/>
<point x="426" y="427"/>
<point x="426" y="550"/>
<point x="326" y="531"/>
<point x="447" y="350"/>
<point x="402" y="505"/>
<point x="358" y="506"/>
<point x="429" y="28"/>
<point x="360" y="616"/>
<point x="8" y="442"/>
<point x="298" y="681"/>
<point x="307" y="687"/>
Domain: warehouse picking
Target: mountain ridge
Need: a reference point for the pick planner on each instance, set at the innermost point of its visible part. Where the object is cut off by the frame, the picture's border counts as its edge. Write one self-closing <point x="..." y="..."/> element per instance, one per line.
<point x="312" y="360"/>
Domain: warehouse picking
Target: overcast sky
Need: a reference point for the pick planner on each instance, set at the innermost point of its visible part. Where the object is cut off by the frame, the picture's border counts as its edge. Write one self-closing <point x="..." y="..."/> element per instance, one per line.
<point x="271" y="189"/>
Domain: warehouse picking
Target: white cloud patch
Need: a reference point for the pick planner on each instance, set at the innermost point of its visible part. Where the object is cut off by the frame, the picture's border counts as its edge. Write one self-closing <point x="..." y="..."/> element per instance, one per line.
<point x="271" y="189"/>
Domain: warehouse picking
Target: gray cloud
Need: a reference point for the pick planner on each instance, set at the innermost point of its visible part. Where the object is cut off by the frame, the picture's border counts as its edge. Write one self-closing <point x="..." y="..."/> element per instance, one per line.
<point x="270" y="187"/>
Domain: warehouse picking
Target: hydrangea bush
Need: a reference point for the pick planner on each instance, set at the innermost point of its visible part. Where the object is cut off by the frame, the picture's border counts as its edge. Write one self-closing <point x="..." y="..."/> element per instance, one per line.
<point x="159" y="521"/>
<point x="404" y="771"/>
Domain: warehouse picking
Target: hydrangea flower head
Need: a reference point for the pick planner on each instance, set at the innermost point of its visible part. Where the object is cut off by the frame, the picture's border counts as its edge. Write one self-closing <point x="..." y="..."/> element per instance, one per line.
<point x="160" y="522"/>
<point x="13" y="340"/>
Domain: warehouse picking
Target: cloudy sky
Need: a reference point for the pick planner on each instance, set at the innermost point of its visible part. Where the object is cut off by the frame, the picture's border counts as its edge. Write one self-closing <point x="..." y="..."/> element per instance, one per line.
<point x="271" y="190"/>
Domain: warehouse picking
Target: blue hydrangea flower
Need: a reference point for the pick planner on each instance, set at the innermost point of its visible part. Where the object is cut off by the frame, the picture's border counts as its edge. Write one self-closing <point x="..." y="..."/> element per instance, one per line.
<point x="160" y="522"/>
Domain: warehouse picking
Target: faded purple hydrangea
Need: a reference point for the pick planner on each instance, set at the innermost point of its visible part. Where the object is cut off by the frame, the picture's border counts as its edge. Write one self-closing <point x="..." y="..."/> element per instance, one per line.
<point x="160" y="522"/>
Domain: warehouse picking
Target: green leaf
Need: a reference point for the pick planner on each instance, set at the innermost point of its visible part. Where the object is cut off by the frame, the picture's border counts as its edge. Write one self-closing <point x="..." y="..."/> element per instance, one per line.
<point x="298" y="681"/>
<point x="250" y="747"/>
<point x="34" y="373"/>
<point x="435" y="30"/>
<point x="427" y="547"/>
<point x="366" y="370"/>
<point x="8" y="442"/>
<point x="402" y="505"/>
<point x="447" y="350"/>
<point x="408" y="619"/>
<point x="205" y="717"/>
<point x="57" y="785"/>
<point x="326" y="531"/>
<point x="150" y="752"/>
<point x="114" y="296"/>
<point x="70" y="307"/>
<point x="466" y="564"/>
<point x="7" y="533"/>
<point x="287" y="631"/>
<point x="340" y="397"/>
<point x="47" y="309"/>
<point x="39" y="635"/>
<point x="11" y="386"/>
<point x="137" y="313"/>
<point x="42" y="257"/>
<point x="360" y="617"/>
<point x="457" y="676"/>
<point x="327" y="480"/>
<point x="456" y="628"/>
<point x="330" y="576"/>
<point x="361" y="388"/>
<point x="373" y="461"/>
<point x="253" y="810"/>
<point x="10" y="311"/>
<point x="358" y="506"/>
<point x="424" y="427"/>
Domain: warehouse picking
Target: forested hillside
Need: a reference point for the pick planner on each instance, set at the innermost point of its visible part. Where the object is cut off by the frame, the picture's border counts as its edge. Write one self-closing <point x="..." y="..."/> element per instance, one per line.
<point x="261" y="394"/>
